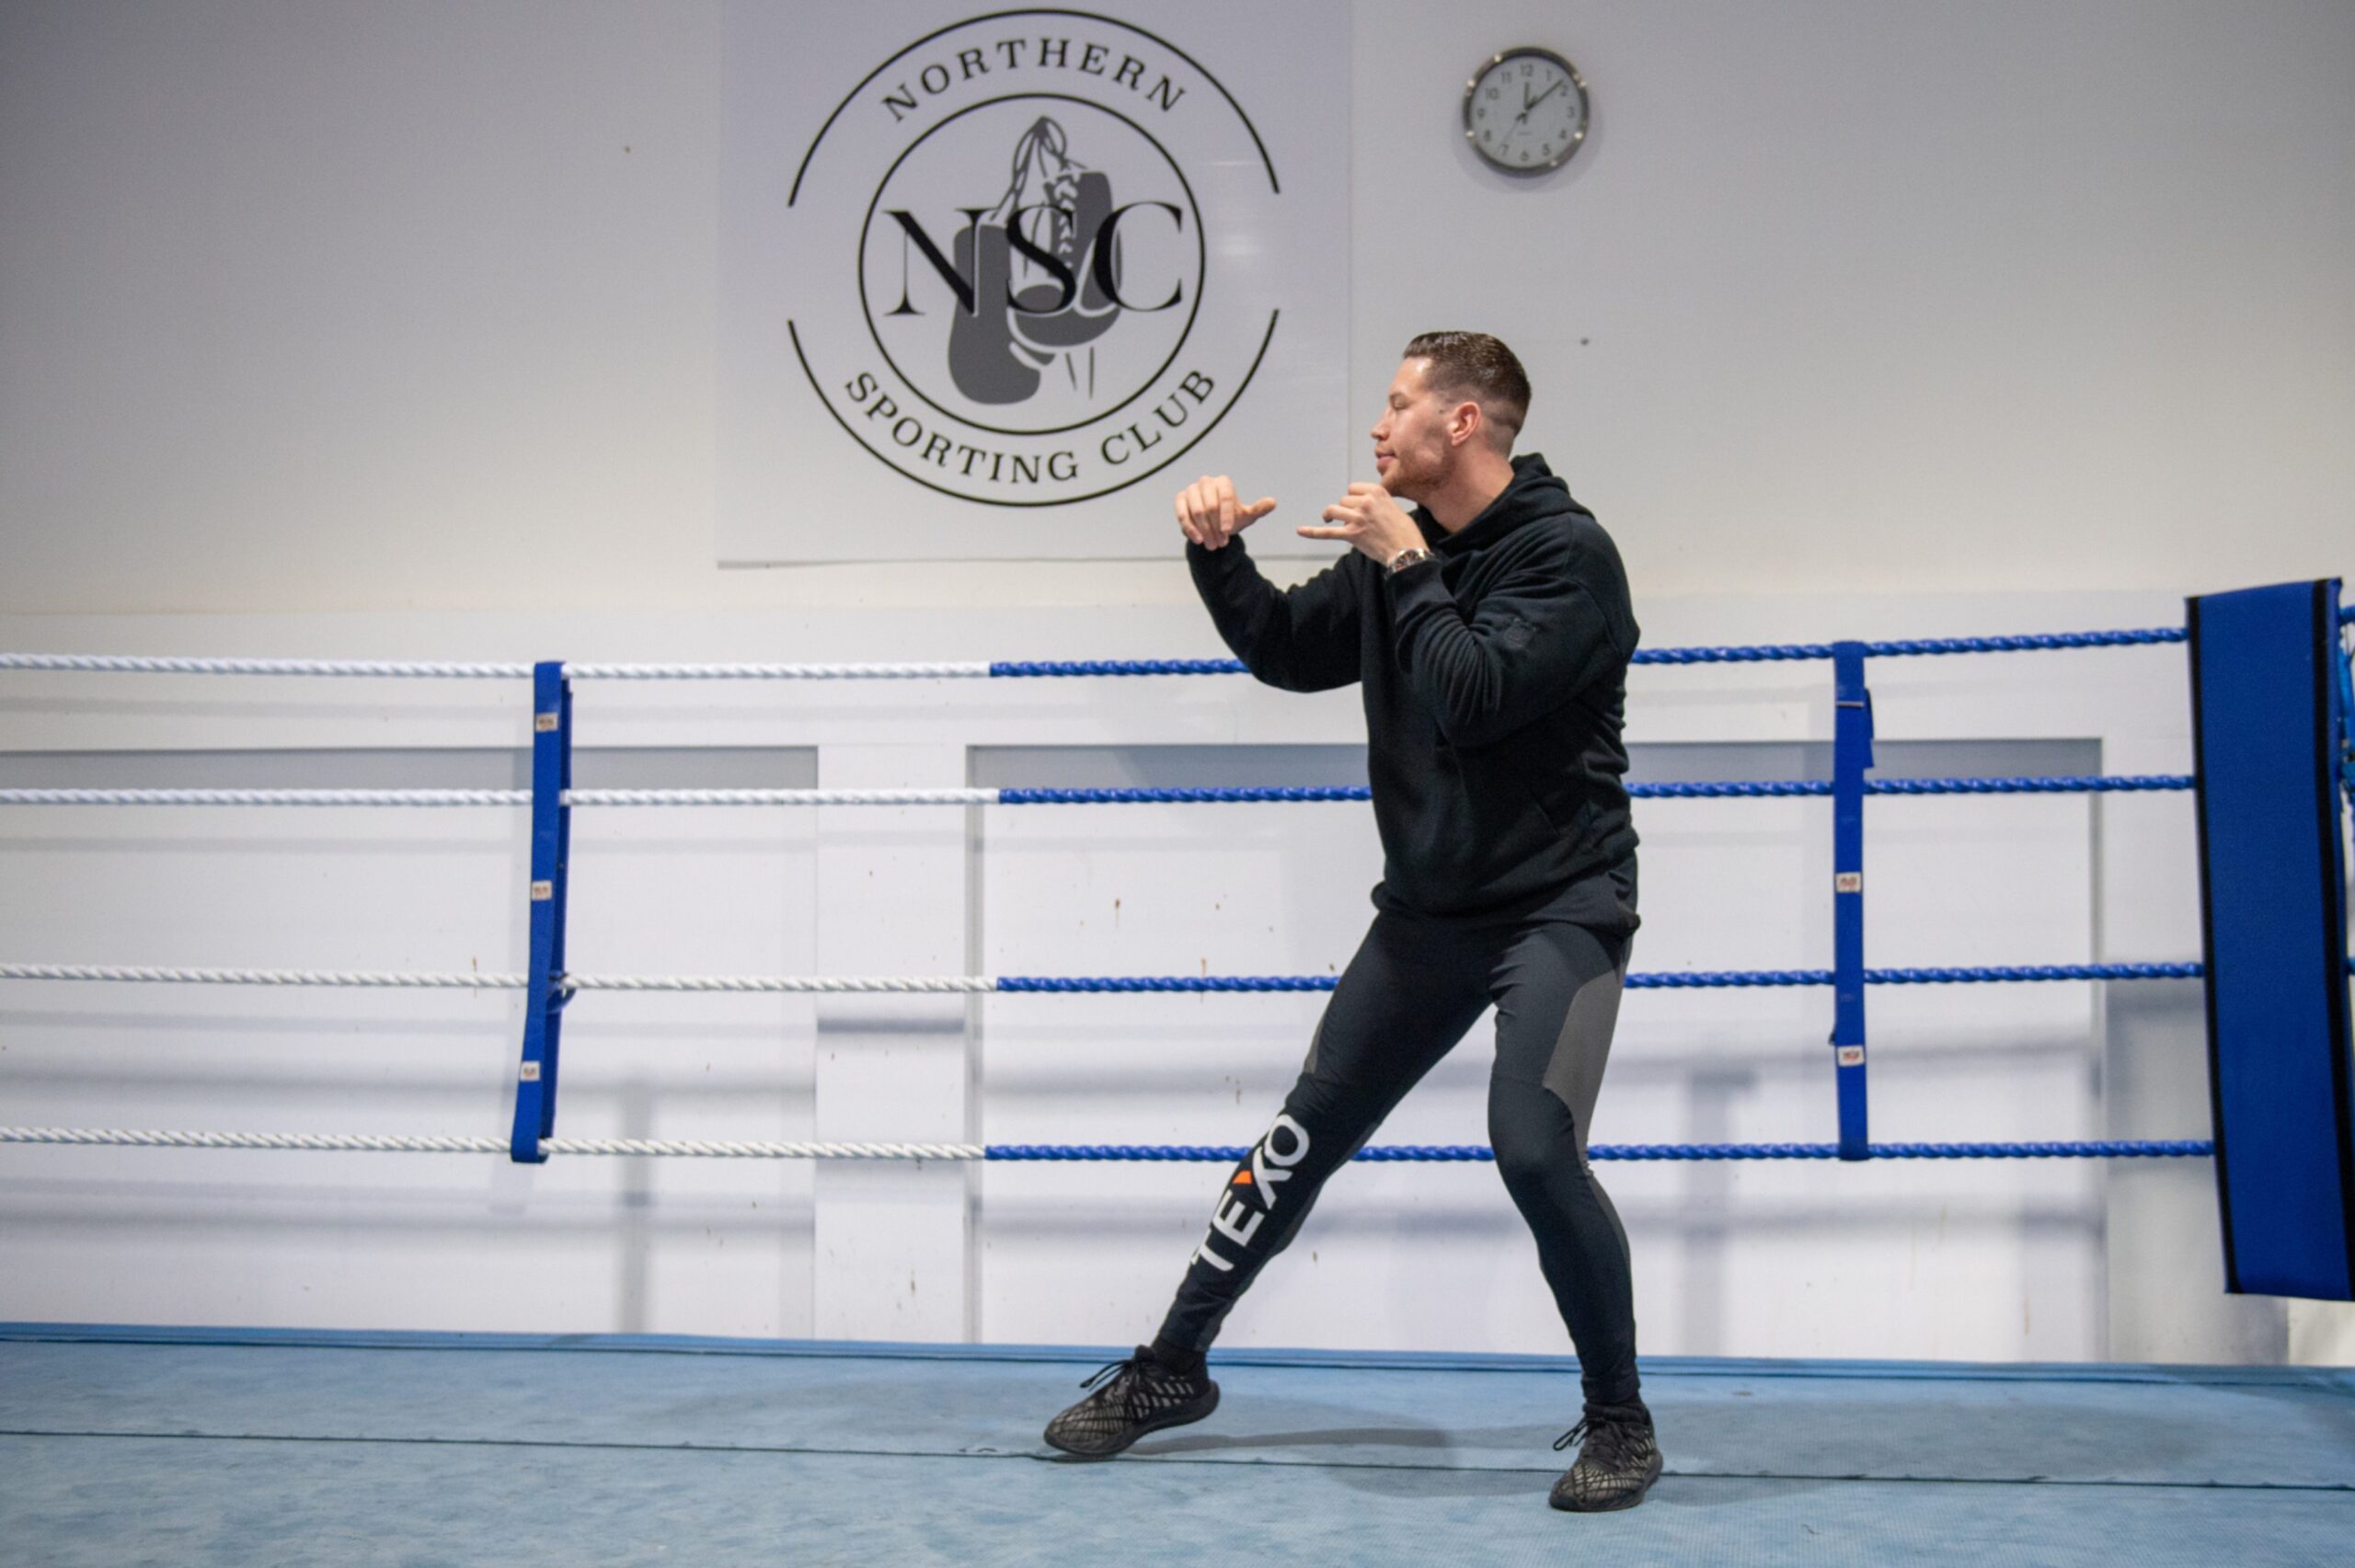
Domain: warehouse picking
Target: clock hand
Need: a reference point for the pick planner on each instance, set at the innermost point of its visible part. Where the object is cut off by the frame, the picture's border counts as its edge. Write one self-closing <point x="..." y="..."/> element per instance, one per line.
<point x="1542" y="97"/>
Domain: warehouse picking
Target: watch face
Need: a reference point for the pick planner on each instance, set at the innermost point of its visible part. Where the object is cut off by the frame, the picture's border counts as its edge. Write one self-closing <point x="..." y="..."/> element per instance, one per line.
<point x="1525" y="111"/>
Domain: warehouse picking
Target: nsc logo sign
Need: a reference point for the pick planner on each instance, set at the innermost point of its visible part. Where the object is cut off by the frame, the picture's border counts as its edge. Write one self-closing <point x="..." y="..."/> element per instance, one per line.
<point x="1030" y="268"/>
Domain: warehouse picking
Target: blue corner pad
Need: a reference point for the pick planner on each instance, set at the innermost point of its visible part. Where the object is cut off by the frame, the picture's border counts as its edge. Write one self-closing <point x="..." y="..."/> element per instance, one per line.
<point x="2267" y="722"/>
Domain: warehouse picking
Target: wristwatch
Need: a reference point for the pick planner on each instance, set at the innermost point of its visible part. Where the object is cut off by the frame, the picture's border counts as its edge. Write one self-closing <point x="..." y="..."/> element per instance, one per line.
<point x="1413" y="555"/>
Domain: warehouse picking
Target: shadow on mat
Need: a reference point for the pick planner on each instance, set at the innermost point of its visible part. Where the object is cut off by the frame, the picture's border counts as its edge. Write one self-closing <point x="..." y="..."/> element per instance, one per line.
<point x="1329" y="1438"/>
<point x="1672" y="1491"/>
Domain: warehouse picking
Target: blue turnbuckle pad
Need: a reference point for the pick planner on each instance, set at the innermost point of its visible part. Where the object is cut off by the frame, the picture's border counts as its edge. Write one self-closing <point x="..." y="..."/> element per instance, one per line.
<point x="2268" y="719"/>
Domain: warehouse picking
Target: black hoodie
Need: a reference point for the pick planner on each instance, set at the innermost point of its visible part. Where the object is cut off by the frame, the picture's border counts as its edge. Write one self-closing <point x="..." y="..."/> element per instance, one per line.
<point x="1495" y="690"/>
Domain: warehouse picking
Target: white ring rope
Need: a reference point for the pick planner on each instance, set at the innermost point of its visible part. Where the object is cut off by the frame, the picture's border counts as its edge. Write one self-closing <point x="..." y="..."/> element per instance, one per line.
<point x="825" y="985"/>
<point x="781" y="797"/>
<point x="265" y="797"/>
<point x="387" y="979"/>
<point x="441" y="797"/>
<point x="701" y="1149"/>
<point x="963" y="670"/>
<point x="392" y="1144"/>
<point x="142" y="664"/>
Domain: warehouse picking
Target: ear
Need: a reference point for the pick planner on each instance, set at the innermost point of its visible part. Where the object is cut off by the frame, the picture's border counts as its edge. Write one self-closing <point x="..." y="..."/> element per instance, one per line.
<point x="1465" y="421"/>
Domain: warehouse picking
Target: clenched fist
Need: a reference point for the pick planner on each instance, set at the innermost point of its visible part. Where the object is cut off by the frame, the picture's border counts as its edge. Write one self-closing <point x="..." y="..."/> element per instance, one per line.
<point x="1210" y="515"/>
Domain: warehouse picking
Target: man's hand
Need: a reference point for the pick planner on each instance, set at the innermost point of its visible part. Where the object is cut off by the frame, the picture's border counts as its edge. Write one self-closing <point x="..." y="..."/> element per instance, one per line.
<point x="1371" y="521"/>
<point x="1210" y="515"/>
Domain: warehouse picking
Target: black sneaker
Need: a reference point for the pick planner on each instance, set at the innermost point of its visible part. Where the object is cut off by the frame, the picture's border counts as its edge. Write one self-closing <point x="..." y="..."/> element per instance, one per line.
<point x="1132" y="1398"/>
<point x="1618" y="1466"/>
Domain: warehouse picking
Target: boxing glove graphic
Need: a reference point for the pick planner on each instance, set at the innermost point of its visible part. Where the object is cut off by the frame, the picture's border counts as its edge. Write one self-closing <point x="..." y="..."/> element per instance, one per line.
<point x="1037" y="285"/>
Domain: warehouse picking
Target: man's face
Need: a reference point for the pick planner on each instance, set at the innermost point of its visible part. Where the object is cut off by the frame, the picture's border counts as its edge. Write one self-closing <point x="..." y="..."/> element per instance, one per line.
<point x="1412" y="455"/>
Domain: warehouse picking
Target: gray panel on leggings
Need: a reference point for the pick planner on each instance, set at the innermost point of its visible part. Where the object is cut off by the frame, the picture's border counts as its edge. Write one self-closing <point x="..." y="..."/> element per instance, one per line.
<point x="1574" y="1075"/>
<point x="1316" y="1038"/>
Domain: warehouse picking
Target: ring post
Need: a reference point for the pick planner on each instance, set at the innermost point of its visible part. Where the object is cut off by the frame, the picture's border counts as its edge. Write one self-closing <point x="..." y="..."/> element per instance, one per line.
<point x="551" y="857"/>
<point x="1852" y="755"/>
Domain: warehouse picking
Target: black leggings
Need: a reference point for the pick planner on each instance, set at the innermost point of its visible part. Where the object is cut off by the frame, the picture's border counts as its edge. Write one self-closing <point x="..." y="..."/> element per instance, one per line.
<point x="1408" y="996"/>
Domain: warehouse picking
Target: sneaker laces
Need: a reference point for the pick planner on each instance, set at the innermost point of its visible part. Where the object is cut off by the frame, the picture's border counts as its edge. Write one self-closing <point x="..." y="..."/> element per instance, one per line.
<point x="1111" y="1369"/>
<point x="1140" y="1374"/>
<point x="1607" y="1437"/>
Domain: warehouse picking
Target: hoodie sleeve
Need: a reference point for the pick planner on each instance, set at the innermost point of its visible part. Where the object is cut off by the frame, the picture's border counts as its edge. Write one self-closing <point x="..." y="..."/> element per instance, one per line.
<point x="1298" y="639"/>
<point x="1558" y="621"/>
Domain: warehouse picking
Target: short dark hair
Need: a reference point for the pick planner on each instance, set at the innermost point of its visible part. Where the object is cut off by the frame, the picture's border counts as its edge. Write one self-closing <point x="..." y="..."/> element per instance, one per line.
<point x="1479" y="366"/>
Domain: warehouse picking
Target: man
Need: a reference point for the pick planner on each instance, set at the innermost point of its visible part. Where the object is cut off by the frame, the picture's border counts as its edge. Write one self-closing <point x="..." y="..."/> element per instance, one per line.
<point x="1491" y="631"/>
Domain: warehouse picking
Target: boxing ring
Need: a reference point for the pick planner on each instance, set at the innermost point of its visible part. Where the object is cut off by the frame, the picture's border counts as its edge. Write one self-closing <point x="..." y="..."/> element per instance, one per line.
<point x="863" y="1452"/>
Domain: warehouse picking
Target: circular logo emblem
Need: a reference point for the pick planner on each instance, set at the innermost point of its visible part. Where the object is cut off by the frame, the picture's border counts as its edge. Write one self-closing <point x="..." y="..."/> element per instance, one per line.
<point x="1004" y="245"/>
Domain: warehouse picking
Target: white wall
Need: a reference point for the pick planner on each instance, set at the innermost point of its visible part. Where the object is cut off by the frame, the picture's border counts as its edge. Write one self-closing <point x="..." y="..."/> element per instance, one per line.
<point x="387" y="331"/>
<point x="345" y="306"/>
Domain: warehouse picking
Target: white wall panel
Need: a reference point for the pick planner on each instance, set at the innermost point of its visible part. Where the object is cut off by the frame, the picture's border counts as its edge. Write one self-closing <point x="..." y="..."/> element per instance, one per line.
<point x="396" y="1240"/>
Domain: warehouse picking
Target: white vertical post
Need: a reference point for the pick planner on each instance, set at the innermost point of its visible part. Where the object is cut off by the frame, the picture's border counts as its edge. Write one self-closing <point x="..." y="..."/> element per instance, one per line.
<point x="892" y="1238"/>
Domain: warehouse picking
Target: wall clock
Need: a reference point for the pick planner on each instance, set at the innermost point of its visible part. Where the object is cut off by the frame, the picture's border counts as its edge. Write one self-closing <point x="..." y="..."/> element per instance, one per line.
<point x="1525" y="111"/>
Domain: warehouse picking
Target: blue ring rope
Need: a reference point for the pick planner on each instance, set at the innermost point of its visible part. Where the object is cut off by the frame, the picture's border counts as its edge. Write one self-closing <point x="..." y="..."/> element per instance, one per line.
<point x="1467" y="1152"/>
<point x="2057" y="784"/>
<point x="1770" y="653"/>
<point x="1672" y="979"/>
<point x="1711" y="790"/>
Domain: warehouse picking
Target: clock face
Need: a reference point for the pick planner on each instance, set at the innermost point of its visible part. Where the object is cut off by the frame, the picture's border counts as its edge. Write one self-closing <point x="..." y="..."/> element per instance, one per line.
<point x="1525" y="111"/>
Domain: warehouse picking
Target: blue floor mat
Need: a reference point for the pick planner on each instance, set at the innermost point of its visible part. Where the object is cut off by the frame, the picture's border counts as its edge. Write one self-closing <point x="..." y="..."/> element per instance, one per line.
<point x="424" y="1449"/>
